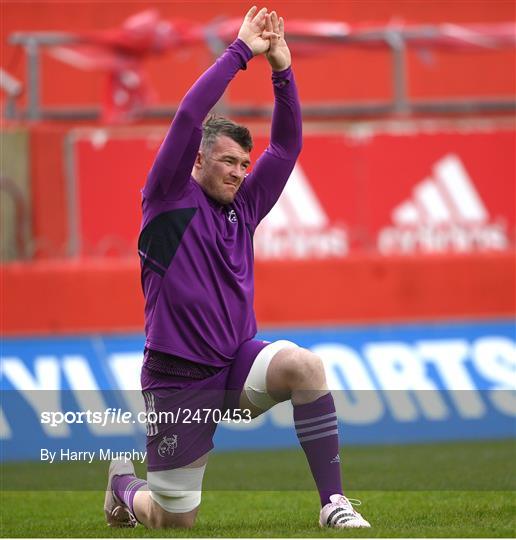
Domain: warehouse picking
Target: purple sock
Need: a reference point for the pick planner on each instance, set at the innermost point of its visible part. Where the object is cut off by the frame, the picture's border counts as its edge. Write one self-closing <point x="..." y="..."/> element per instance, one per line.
<point x="125" y="488"/>
<point x="316" y="428"/>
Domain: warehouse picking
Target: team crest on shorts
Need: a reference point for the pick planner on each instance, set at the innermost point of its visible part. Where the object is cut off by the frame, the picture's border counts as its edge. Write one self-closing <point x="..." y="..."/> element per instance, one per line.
<point x="167" y="446"/>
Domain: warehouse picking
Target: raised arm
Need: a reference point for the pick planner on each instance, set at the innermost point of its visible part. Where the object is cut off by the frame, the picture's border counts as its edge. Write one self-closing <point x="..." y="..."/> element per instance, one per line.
<point x="265" y="183"/>
<point x="173" y="164"/>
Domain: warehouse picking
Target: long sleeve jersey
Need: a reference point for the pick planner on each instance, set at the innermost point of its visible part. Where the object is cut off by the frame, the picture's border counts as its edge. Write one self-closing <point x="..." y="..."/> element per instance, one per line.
<point x="196" y="254"/>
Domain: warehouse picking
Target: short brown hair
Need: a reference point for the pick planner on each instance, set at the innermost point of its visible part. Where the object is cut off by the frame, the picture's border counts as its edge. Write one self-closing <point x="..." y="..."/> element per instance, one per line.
<point x="215" y="125"/>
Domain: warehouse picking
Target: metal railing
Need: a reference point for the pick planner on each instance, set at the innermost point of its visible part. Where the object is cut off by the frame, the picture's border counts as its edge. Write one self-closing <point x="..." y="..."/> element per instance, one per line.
<point x="13" y="88"/>
<point x="21" y="227"/>
<point x="397" y="40"/>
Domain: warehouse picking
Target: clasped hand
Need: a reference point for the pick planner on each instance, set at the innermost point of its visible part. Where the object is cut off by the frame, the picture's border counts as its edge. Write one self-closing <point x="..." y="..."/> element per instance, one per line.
<point x="264" y="33"/>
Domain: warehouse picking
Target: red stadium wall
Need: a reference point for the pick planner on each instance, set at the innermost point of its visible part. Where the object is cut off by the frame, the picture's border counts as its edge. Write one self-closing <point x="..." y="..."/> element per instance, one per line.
<point x="105" y="295"/>
<point x="375" y="175"/>
<point x="90" y="293"/>
<point x="343" y="75"/>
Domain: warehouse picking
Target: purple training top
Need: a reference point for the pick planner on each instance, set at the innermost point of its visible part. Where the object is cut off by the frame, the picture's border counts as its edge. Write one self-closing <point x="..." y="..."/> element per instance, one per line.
<point x="197" y="255"/>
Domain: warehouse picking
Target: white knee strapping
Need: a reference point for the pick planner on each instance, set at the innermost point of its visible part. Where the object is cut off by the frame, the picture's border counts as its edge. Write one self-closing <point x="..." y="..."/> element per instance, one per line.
<point x="177" y="490"/>
<point x="255" y="386"/>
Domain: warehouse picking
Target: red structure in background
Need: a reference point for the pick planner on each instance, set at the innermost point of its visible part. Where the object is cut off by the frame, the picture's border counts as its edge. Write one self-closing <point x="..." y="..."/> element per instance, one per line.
<point x="392" y="189"/>
<point x="341" y="75"/>
<point x="104" y="295"/>
<point x="56" y="294"/>
<point x="121" y="51"/>
<point x="89" y="293"/>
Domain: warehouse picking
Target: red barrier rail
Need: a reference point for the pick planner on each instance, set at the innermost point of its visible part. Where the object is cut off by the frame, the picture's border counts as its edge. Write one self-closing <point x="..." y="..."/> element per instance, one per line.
<point x="90" y="295"/>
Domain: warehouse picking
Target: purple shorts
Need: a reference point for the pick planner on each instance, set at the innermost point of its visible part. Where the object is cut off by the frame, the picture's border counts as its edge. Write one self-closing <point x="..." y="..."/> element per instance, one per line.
<point x="186" y="401"/>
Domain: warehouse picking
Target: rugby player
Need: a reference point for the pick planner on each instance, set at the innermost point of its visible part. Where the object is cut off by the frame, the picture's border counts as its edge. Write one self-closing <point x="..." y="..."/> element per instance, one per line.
<point x="200" y="211"/>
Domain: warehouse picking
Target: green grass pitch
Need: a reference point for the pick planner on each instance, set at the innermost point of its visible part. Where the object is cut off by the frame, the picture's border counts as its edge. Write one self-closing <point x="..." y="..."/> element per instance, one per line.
<point x="430" y="490"/>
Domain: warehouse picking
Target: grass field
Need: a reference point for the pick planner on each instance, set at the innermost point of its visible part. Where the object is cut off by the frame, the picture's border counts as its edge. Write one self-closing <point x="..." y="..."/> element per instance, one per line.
<point x="438" y="490"/>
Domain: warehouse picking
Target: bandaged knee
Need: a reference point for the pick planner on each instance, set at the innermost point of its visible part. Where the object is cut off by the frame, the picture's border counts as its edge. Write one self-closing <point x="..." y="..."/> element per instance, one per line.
<point x="255" y="386"/>
<point x="177" y="490"/>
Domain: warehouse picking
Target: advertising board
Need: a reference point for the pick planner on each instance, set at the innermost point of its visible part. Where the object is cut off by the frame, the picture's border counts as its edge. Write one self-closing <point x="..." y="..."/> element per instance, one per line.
<point x="391" y="384"/>
<point x="393" y="189"/>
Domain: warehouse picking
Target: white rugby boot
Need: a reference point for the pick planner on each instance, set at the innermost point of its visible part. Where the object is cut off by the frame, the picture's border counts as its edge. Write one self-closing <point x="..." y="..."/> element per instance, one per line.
<point x="340" y="514"/>
<point x="117" y="513"/>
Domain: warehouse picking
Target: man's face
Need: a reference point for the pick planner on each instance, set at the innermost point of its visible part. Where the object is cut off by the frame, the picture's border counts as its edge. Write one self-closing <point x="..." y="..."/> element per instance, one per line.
<point x="220" y="170"/>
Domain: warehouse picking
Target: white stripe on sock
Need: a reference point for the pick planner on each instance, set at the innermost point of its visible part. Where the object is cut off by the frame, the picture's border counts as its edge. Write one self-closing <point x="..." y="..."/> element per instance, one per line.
<point x="315" y="419"/>
<point x="333" y="423"/>
<point x="318" y="435"/>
